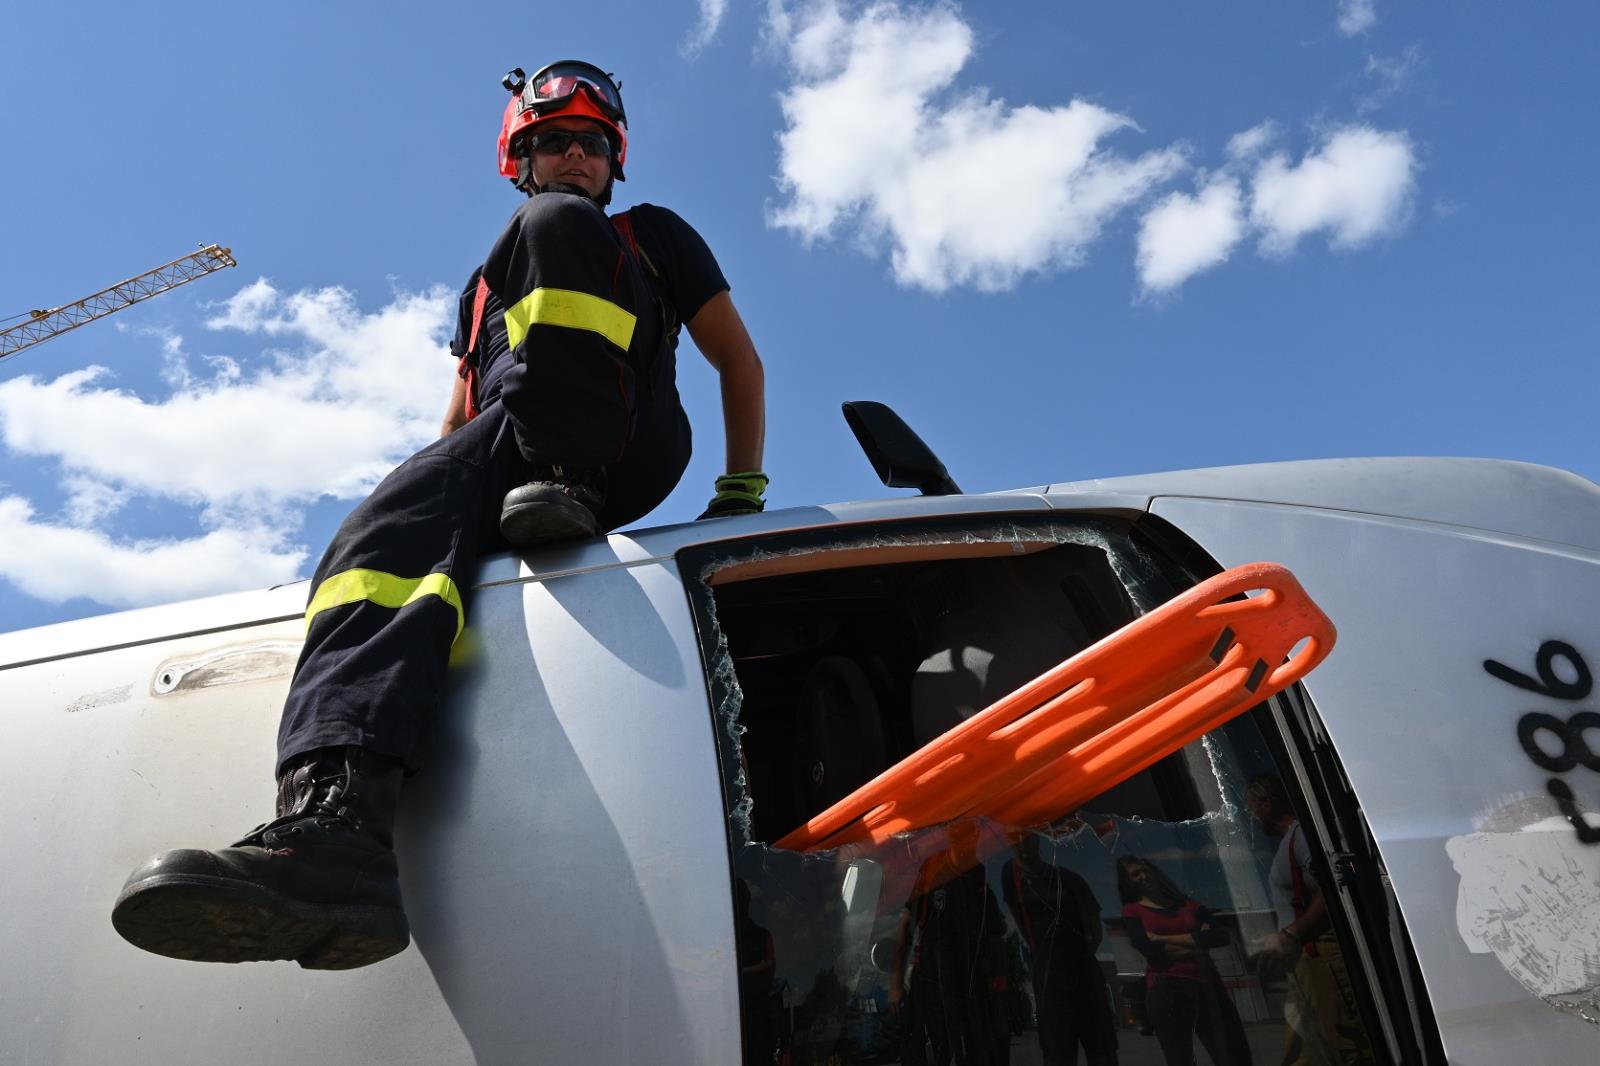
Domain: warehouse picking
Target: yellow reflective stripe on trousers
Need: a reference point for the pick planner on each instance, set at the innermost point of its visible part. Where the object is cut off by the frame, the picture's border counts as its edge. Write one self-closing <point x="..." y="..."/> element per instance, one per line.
<point x="574" y="310"/>
<point x="385" y="590"/>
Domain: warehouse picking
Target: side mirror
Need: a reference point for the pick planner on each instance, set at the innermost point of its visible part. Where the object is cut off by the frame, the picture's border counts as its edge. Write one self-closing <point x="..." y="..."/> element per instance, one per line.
<point x="897" y="454"/>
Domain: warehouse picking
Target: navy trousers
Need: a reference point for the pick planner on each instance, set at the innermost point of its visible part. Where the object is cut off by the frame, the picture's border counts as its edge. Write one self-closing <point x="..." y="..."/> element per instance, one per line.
<point x="594" y="385"/>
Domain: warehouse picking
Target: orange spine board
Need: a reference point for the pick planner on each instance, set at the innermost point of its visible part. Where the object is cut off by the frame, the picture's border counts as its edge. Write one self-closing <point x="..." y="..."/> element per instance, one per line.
<point x="1100" y="717"/>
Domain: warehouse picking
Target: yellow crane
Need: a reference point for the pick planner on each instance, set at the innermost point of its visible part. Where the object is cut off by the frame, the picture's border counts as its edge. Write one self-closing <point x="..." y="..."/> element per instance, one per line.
<point x="42" y="325"/>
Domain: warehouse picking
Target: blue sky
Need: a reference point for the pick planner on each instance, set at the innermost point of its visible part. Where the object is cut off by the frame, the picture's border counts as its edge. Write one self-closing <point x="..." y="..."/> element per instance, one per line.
<point x="1065" y="240"/>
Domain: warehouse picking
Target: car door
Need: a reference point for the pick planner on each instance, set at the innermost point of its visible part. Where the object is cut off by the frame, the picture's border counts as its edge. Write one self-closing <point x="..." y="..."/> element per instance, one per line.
<point x="1460" y="701"/>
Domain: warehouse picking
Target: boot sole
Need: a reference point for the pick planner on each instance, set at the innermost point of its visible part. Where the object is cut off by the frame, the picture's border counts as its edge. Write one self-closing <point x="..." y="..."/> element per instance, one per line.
<point x="205" y="919"/>
<point x="525" y="525"/>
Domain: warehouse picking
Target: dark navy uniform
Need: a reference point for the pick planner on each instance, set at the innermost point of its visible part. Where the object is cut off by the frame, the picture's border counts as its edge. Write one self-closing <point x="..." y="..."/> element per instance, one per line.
<point x="575" y="366"/>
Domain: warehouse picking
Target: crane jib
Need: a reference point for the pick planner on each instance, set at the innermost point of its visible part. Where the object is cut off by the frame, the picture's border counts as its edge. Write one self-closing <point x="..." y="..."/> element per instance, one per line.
<point x="42" y="325"/>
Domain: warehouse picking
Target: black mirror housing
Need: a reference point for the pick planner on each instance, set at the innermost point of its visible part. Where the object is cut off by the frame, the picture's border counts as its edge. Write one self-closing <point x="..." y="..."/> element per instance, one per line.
<point x="897" y="454"/>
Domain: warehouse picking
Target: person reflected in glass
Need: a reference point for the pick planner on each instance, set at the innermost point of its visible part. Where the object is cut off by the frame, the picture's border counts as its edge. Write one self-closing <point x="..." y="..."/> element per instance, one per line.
<point x="950" y="942"/>
<point x="1323" y="1024"/>
<point x="1185" y="994"/>
<point x="758" y="1008"/>
<point x="1060" y="923"/>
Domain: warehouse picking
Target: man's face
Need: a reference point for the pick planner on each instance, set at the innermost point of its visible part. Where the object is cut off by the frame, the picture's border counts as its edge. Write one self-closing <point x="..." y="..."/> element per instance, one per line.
<point x="1260" y="807"/>
<point x="573" y="166"/>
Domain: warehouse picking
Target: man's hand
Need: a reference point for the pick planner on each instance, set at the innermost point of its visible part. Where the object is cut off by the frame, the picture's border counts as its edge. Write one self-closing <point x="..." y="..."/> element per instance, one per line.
<point x="1276" y="954"/>
<point x="737" y="494"/>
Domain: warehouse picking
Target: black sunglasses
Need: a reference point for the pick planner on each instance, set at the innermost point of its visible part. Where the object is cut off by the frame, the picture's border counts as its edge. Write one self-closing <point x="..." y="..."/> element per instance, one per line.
<point x="556" y="142"/>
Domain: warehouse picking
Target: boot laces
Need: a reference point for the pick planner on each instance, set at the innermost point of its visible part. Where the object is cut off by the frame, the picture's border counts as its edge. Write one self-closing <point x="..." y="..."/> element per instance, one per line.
<point x="586" y="484"/>
<point x="323" y="799"/>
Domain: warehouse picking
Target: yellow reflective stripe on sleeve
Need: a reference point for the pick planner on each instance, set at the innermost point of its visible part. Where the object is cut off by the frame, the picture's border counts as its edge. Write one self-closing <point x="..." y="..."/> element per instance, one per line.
<point x="575" y="310"/>
<point x="385" y="590"/>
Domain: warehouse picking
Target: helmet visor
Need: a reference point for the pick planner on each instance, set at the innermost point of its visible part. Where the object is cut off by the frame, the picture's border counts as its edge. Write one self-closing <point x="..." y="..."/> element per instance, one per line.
<point x="555" y="85"/>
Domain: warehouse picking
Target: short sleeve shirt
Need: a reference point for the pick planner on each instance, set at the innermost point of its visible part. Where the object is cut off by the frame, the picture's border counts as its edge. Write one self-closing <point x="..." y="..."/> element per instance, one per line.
<point x="677" y="259"/>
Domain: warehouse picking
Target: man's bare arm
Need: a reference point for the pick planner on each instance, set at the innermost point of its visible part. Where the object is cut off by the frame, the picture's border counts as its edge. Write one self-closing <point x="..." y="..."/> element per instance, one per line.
<point x="455" y="416"/>
<point x="719" y="333"/>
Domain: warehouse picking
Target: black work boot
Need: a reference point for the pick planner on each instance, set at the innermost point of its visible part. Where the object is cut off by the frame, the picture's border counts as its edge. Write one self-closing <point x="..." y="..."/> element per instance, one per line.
<point x="561" y="503"/>
<point x="318" y="884"/>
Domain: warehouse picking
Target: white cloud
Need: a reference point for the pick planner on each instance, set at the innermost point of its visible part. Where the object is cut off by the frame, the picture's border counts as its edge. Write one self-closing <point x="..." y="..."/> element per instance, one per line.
<point x="57" y="562"/>
<point x="1357" y="188"/>
<point x="1248" y="144"/>
<point x="963" y="188"/>
<point x="775" y="30"/>
<point x="247" y="307"/>
<point x="329" y="416"/>
<point x="1183" y="234"/>
<point x="712" y="13"/>
<point x="90" y="501"/>
<point x="1391" y="75"/>
<point x="1357" y="16"/>
<point x="251" y="443"/>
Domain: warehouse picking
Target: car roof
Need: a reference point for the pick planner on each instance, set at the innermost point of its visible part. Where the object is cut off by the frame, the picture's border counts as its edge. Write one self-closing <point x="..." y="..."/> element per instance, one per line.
<point x="1518" y="499"/>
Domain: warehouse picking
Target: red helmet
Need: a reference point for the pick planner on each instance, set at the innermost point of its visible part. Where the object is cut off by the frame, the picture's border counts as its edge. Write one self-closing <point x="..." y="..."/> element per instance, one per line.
<point x="568" y="89"/>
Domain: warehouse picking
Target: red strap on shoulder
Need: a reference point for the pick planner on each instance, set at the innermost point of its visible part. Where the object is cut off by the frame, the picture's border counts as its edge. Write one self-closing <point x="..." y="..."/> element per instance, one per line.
<point x="624" y="225"/>
<point x="478" y="300"/>
<point x="1300" y="901"/>
<point x="469" y="362"/>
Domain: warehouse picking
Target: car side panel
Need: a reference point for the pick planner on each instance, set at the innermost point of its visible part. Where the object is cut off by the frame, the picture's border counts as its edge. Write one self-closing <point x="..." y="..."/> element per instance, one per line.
<point x="564" y="859"/>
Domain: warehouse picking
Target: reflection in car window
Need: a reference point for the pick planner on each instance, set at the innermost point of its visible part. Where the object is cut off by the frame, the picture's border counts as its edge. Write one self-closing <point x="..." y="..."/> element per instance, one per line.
<point x="1176" y="919"/>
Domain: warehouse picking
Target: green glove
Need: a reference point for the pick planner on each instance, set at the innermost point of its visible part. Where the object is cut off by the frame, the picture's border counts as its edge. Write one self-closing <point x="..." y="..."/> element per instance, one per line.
<point x="737" y="494"/>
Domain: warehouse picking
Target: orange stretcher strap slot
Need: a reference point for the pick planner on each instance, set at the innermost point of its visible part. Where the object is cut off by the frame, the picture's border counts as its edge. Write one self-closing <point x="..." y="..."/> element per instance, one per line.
<point x="1108" y="712"/>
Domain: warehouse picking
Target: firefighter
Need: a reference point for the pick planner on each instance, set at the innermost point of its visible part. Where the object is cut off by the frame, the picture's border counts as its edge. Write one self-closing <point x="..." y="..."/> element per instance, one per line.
<point x="565" y="422"/>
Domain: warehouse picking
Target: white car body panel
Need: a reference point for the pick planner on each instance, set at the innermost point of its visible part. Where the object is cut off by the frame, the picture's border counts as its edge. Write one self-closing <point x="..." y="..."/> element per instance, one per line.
<point x="566" y="860"/>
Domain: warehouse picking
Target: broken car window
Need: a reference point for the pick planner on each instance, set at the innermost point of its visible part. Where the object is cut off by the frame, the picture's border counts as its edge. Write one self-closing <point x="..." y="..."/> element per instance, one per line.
<point x="1145" y="928"/>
